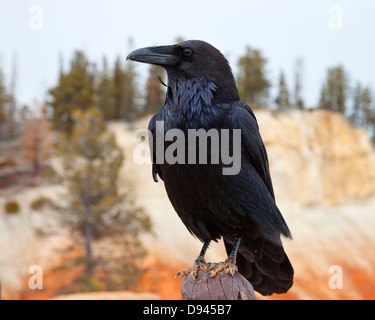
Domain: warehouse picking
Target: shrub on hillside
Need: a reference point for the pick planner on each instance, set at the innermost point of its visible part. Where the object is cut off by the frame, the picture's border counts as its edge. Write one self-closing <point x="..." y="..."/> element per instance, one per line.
<point x="12" y="207"/>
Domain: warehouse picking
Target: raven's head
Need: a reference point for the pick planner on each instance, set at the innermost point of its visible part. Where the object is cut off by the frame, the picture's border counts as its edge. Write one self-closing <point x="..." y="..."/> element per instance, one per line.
<point x="193" y="59"/>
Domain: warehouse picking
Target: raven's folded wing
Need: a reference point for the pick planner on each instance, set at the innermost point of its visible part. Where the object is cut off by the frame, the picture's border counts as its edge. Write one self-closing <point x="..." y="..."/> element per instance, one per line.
<point x="255" y="193"/>
<point x="243" y="118"/>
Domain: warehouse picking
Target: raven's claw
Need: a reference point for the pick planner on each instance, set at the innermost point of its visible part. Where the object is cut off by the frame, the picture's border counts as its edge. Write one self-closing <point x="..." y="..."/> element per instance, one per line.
<point x="199" y="264"/>
<point x="229" y="265"/>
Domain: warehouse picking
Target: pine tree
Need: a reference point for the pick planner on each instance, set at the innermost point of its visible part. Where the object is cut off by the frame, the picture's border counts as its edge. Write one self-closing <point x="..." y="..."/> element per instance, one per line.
<point x="94" y="206"/>
<point x="155" y="94"/>
<point x="104" y="99"/>
<point x="252" y="82"/>
<point x="368" y="107"/>
<point x="334" y="91"/>
<point x="298" y="101"/>
<point x="73" y="92"/>
<point x="124" y="91"/>
<point x="12" y="125"/>
<point x="131" y="110"/>
<point x="118" y="90"/>
<point x="8" y="125"/>
<point x="358" y="116"/>
<point x="282" y="99"/>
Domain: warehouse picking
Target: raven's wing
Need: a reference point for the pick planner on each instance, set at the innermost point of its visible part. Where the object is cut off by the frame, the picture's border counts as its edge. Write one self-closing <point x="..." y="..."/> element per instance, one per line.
<point x="257" y="195"/>
<point x="243" y="118"/>
<point x="156" y="170"/>
<point x="263" y="262"/>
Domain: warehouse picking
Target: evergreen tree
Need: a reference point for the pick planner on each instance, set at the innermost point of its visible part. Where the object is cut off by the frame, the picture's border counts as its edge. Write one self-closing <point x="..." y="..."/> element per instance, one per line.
<point x="155" y="94"/>
<point x="118" y="85"/>
<point x="358" y="116"/>
<point x="73" y="92"/>
<point x="104" y="99"/>
<point x="12" y="126"/>
<point x="252" y="82"/>
<point x="298" y="101"/>
<point x="282" y="99"/>
<point x="131" y="110"/>
<point x="124" y="92"/>
<point x="333" y="95"/>
<point x="94" y="207"/>
<point x="8" y="125"/>
<point x="367" y="104"/>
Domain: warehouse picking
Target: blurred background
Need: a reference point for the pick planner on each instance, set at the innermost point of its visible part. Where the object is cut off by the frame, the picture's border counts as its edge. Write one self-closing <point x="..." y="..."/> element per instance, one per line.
<point x="79" y="218"/>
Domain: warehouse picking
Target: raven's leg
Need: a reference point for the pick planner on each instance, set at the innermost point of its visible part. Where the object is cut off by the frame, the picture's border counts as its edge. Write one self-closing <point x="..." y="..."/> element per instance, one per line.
<point x="199" y="264"/>
<point x="229" y="263"/>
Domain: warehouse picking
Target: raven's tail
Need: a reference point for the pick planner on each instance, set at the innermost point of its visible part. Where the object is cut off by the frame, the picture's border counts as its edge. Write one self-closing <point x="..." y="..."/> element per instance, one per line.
<point x="264" y="264"/>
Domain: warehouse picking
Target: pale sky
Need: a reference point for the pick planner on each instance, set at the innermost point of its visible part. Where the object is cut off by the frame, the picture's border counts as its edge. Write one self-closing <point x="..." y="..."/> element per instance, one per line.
<point x="283" y="29"/>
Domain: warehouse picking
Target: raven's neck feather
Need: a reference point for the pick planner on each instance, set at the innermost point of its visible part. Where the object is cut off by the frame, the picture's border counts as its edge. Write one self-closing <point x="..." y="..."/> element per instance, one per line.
<point x="189" y="101"/>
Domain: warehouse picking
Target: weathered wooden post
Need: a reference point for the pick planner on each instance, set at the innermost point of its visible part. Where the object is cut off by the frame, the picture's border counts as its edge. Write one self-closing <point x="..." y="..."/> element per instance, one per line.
<point x="223" y="286"/>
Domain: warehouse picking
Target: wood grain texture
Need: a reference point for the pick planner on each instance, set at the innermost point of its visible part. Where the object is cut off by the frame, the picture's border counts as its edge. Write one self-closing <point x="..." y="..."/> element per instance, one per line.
<point x="223" y="286"/>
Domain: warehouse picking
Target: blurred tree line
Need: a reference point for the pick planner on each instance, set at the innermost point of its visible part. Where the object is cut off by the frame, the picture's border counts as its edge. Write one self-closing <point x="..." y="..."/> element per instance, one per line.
<point x="115" y="93"/>
<point x="112" y="91"/>
<point x="357" y="104"/>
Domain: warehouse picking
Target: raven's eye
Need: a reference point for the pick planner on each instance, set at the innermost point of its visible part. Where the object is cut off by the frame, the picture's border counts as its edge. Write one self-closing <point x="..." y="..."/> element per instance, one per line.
<point x="188" y="52"/>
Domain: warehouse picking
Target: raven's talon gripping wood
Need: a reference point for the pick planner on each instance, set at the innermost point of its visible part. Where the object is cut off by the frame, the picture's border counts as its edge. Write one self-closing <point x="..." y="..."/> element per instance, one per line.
<point x="229" y="266"/>
<point x="199" y="264"/>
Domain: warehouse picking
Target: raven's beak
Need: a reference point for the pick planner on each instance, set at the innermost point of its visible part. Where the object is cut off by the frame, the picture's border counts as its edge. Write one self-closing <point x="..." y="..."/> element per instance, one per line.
<point x="162" y="55"/>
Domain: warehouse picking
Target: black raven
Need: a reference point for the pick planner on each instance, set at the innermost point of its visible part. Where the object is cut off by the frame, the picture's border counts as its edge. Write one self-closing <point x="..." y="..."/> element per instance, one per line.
<point x="240" y="208"/>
